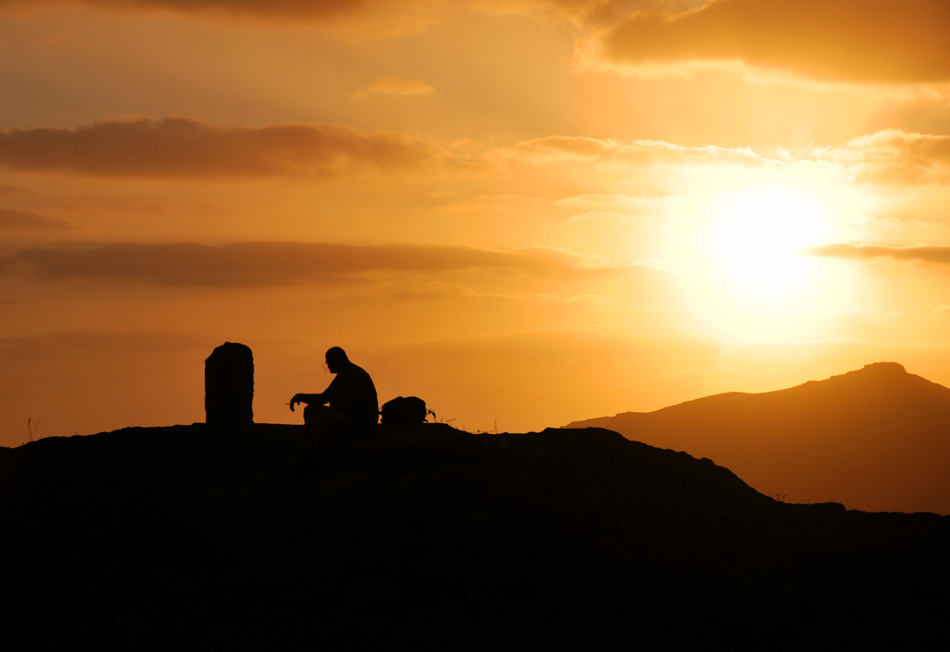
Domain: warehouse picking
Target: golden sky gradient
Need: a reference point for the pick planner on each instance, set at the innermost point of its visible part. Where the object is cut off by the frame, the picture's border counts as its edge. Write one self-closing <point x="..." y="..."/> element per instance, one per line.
<point x="526" y="212"/>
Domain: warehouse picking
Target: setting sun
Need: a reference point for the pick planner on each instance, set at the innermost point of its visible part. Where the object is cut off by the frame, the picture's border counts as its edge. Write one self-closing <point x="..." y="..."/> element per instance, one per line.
<point x="754" y="242"/>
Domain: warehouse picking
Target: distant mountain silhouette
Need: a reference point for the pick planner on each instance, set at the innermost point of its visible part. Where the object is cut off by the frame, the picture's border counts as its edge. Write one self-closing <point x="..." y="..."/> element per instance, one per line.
<point x="874" y="439"/>
<point x="196" y="538"/>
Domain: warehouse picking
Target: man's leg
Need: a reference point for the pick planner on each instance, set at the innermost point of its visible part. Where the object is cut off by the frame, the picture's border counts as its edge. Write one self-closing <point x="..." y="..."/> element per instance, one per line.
<point x="324" y="420"/>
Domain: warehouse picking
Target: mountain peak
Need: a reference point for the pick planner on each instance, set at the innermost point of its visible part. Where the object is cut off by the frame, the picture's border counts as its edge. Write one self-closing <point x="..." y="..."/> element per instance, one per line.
<point x="882" y="379"/>
<point x="880" y="374"/>
<point x="883" y="368"/>
<point x="873" y="438"/>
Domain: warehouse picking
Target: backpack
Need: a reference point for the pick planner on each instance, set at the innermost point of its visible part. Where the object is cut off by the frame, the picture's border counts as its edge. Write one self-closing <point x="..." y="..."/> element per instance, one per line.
<point x="405" y="411"/>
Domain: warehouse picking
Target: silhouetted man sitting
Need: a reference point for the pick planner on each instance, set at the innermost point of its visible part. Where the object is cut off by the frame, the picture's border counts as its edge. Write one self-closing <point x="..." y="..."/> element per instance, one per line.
<point x="348" y="406"/>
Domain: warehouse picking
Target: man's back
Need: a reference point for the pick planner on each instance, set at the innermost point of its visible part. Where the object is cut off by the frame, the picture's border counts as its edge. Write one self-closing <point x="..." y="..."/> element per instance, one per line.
<point x="353" y="393"/>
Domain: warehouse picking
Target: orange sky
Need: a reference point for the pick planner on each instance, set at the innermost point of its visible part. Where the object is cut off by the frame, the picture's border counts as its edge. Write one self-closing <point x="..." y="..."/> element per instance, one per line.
<point x="526" y="212"/>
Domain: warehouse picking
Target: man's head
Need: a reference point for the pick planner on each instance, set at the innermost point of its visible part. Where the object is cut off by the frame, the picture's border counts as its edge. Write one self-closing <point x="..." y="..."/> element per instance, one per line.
<point x="336" y="358"/>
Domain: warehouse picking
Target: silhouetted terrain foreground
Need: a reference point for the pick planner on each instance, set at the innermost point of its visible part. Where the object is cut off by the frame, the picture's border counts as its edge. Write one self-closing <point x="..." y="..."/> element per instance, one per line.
<point x="875" y="439"/>
<point x="191" y="538"/>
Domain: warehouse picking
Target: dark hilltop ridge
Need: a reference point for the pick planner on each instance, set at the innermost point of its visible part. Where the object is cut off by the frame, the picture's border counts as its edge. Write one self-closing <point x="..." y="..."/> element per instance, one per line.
<point x="425" y="537"/>
<point x="875" y="439"/>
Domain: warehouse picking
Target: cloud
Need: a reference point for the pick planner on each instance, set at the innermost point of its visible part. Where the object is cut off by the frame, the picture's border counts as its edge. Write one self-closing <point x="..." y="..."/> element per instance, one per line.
<point x="504" y="204"/>
<point x="396" y="86"/>
<point x="619" y="204"/>
<point x="14" y="220"/>
<point x="890" y="156"/>
<point x="867" y="41"/>
<point x="314" y="9"/>
<point x="259" y="264"/>
<point x="894" y="156"/>
<point x="96" y="341"/>
<point x="190" y="148"/>
<point x="6" y="190"/>
<point x="328" y="10"/>
<point x="450" y="292"/>
<point x="938" y="254"/>
<point x="585" y="12"/>
<point x="187" y="148"/>
<point x="510" y="205"/>
<point x="580" y="149"/>
<point x="358" y="19"/>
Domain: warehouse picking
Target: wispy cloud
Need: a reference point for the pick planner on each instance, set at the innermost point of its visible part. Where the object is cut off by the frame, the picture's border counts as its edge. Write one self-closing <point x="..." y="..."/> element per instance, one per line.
<point x="890" y="156"/>
<point x="938" y="254"/>
<point x="396" y="86"/>
<point x="14" y="220"/>
<point x="894" y="156"/>
<point x="437" y="292"/>
<point x="585" y="12"/>
<point x="636" y="152"/>
<point x="187" y="148"/>
<point x="504" y="204"/>
<point x="315" y="9"/>
<point x="619" y="204"/>
<point x="190" y="148"/>
<point x="257" y="264"/>
<point x="99" y="341"/>
<point x="6" y="190"/>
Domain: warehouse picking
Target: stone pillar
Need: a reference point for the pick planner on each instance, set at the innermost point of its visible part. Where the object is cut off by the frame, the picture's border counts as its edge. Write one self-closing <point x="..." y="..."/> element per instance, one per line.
<point x="229" y="386"/>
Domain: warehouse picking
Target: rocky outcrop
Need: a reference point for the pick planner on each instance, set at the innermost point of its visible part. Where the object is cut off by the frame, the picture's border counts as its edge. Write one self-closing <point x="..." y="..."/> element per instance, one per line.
<point x="229" y="386"/>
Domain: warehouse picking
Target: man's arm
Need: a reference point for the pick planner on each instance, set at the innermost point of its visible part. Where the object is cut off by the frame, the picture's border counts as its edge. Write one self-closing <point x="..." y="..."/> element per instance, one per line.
<point x="329" y="394"/>
<point x="319" y="399"/>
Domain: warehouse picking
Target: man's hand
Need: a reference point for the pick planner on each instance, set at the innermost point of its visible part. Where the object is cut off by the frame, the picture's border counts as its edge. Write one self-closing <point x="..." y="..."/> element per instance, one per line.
<point x="296" y="399"/>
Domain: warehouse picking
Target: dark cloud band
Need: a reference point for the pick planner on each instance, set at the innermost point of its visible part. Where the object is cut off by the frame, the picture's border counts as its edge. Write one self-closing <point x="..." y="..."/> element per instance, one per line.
<point x="189" y="148"/>
<point x="844" y="40"/>
<point x="257" y="264"/>
<point x="315" y="9"/>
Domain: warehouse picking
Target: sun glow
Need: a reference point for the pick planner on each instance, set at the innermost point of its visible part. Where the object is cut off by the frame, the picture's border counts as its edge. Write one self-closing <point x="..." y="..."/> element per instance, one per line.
<point x="753" y="243"/>
<point x="747" y="268"/>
